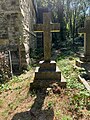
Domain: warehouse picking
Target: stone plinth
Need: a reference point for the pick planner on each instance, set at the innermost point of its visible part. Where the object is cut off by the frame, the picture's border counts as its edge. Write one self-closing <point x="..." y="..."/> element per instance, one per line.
<point x="84" y="61"/>
<point x="79" y="63"/>
<point x="85" y="58"/>
<point x="47" y="66"/>
<point x="48" y="73"/>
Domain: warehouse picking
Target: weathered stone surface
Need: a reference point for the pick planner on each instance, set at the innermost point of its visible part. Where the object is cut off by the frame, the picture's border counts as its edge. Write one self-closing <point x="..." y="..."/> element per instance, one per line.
<point x="85" y="58"/>
<point x="84" y="61"/>
<point x="4" y="66"/>
<point x="48" y="72"/>
<point x="50" y="66"/>
<point x="39" y="84"/>
<point x="86" y="32"/>
<point x="82" y="80"/>
<point x="80" y="63"/>
<point x="16" y="26"/>
<point x="47" y="28"/>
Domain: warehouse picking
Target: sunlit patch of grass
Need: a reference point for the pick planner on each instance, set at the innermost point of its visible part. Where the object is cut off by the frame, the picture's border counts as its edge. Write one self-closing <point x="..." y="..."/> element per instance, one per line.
<point x="1" y="103"/>
<point x="5" y="113"/>
<point x="58" y="113"/>
<point x="80" y="95"/>
<point x="16" y="80"/>
<point x="50" y="104"/>
<point x="66" y="65"/>
<point x="66" y="118"/>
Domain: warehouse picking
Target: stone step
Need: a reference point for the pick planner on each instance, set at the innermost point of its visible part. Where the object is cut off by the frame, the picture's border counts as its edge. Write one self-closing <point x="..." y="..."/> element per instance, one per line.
<point x="82" y="58"/>
<point x="85" y="58"/>
<point x="82" y="80"/>
<point x="47" y="83"/>
<point x="79" y="63"/>
<point x="50" y="66"/>
<point x="47" y="75"/>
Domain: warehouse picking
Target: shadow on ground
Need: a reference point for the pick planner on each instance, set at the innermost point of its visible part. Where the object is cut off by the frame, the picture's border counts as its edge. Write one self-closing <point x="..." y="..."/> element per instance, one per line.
<point x="36" y="112"/>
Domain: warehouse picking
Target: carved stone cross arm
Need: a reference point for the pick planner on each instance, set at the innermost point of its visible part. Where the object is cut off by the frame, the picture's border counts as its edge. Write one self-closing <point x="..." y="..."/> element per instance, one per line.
<point x="47" y="27"/>
<point x="55" y="27"/>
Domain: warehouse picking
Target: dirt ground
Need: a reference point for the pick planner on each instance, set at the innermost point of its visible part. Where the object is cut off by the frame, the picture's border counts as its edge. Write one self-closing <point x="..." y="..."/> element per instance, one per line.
<point x="20" y="103"/>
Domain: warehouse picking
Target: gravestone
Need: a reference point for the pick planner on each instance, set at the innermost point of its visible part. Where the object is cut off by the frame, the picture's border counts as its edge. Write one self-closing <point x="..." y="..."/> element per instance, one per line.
<point x="85" y="58"/>
<point x="48" y="71"/>
<point x="86" y="32"/>
<point x="84" y="61"/>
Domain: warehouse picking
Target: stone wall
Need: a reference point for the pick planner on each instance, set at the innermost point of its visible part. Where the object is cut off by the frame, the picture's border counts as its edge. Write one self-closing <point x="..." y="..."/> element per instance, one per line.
<point x="28" y="17"/>
<point x="8" y="12"/>
<point x="16" y="23"/>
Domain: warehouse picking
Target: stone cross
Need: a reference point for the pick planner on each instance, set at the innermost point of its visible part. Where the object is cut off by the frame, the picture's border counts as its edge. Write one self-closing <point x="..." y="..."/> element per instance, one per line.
<point x="47" y="27"/>
<point x="86" y="32"/>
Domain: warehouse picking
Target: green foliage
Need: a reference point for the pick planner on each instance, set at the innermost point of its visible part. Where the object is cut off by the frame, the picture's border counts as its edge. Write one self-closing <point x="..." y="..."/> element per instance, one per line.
<point x="38" y="52"/>
<point x="5" y="113"/>
<point x="29" y="67"/>
<point x="71" y="15"/>
<point x="79" y="100"/>
<point x="66" y="118"/>
<point x="4" y="76"/>
<point x="57" y="113"/>
<point x="68" y="70"/>
<point x="16" y="79"/>
<point x="5" y="87"/>
<point x="72" y="83"/>
<point x="81" y="97"/>
<point x="50" y="104"/>
<point x="12" y="106"/>
<point x="1" y="103"/>
<point x="8" y="86"/>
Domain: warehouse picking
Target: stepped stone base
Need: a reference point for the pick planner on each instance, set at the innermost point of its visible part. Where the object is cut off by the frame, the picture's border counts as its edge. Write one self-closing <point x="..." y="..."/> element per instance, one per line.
<point x="50" y="66"/>
<point x="85" y="65"/>
<point x="48" y="73"/>
<point x="85" y="58"/>
<point x="84" y="61"/>
<point x="47" y="83"/>
<point x="80" y="63"/>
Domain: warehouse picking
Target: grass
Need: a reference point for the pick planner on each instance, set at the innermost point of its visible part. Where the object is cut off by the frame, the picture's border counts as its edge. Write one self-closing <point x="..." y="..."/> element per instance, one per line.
<point x="5" y="113"/>
<point x="14" y="93"/>
<point x="8" y="86"/>
<point x="66" y="118"/>
<point x="67" y="105"/>
<point x="1" y="103"/>
<point x="66" y="63"/>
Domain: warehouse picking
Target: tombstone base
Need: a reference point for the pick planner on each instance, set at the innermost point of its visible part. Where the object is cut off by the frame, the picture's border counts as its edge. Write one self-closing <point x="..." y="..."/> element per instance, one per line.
<point x="80" y="63"/>
<point x="84" y="61"/>
<point x="47" y="66"/>
<point x="85" y="58"/>
<point x="48" y="73"/>
<point x="85" y="65"/>
<point x="39" y="84"/>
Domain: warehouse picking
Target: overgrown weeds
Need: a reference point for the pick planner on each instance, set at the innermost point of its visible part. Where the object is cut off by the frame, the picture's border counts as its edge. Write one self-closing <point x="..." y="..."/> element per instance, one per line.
<point x="79" y="96"/>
